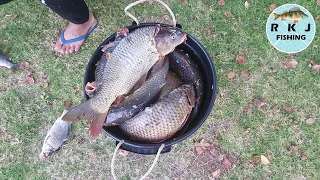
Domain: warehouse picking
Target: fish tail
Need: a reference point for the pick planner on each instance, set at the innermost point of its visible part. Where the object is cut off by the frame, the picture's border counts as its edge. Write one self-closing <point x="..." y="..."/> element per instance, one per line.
<point x="84" y="111"/>
<point x="276" y="16"/>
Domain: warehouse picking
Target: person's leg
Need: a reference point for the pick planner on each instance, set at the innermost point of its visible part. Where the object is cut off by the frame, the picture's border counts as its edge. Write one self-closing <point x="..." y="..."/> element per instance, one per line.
<point x="80" y="21"/>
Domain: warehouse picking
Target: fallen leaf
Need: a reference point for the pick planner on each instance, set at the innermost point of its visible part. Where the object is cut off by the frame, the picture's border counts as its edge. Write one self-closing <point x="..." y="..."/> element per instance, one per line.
<point x="316" y="67"/>
<point x="272" y="7"/>
<point x="45" y="84"/>
<point x="294" y="148"/>
<point x="251" y="165"/>
<point x="29" y="74"/>
<point x="256" y="160"/>
<point x="41" y="96"/>
<point x="291" y="65"/>
<point x="264" y="160"/>
<point x="201" y="12"/>
<point x="166" y="18"/>
<point x="123" y="152"/>
<point x="310" y="121"/>
<point x="318" y="2"/>
<point x="29" y="80"/>
<point x="233" y="28"/>
<point x="228" y="14"/>
<point x="246" y="4"/>
<point x="201" y="146"/>
<point x="231" y="75"/>
<point x="315" y="46"/>
<point x="270" y="115"/>
<point x="255" y="27"/>
<point x="245" y="73"/>
<point x="24" y="65"/>
<point x="227" y="163"/>
<point x="288" y="109"/>
<point x="209" y="31"/>
<point x="184" y="2"/>
<point x="304" y="158"/>
<point x="317" y="18"/>
<point x="259" y="101"/>
<point x="240" y="59"/>
<point x="221" y="2"/>
<point x="276" y="127"/>
<point x="216" y="173"/>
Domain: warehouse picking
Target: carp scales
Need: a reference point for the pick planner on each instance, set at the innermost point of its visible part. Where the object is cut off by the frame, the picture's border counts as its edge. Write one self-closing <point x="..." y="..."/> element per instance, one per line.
<point x="162" y="120"/>
<point x="130" y="60"/>
<point x="56" y="136"/>
<point x="294" y="14"/>
<point x="142" y="97"/>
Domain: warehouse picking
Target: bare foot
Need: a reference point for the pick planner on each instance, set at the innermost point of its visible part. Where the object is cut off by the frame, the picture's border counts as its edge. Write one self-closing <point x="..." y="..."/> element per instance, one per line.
<point x="73" y="31"/>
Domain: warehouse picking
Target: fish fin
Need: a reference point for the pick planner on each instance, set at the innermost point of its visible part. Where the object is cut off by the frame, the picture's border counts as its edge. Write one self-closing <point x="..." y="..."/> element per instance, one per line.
<point x="118" y="100"/>
<point x="276" y="16"/>
<point x="295" y="9"/>
<point x="295" y="21"/>
<point x="96" y="125"/>
<point x="283" y="19"/>
<point x="107" y="47"/>
<point x="284" y="12"/>
<point x="84" y="111"/>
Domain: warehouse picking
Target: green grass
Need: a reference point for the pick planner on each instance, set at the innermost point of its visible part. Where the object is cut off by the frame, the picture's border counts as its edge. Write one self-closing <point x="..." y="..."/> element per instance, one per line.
<point x="26" y="117"/>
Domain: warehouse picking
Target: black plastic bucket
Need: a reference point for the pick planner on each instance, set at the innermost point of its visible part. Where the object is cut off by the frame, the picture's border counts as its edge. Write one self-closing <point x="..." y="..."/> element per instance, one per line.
<point x="204" y="62"/>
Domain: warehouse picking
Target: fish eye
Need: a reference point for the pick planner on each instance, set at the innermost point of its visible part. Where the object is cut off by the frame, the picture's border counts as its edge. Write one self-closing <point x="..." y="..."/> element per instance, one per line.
<point x="173" y="36"/>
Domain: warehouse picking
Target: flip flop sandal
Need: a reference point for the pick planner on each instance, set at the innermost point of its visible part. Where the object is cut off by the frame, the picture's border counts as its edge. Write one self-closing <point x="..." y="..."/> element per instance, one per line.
<point x="80" y="38"/>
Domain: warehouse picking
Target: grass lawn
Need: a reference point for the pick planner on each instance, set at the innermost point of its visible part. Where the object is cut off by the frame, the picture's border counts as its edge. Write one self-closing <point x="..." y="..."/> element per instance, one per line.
<point x="262" y="114"/>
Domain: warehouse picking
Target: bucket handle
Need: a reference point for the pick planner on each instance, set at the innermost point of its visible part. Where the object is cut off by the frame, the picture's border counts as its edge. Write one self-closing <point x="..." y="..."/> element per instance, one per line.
<point x="149" y="170"/>
<point x="141" y="1"/>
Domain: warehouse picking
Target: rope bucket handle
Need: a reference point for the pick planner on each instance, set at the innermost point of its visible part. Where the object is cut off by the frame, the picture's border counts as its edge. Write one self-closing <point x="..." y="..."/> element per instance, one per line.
<point x="141" y="1"/>
<point x="149" y="170"/>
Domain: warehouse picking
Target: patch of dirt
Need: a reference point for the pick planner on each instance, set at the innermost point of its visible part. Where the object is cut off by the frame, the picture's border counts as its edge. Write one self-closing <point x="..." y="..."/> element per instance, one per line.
<point x="257" y="102"/>
<point x="219" y="127"/>
<point x="212" y="159"/>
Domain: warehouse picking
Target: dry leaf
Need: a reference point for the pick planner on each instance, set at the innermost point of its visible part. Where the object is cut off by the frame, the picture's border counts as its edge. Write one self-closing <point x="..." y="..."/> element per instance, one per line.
<point x="209" y="31"/>
<point x="216" y="173"/>
<point x="245" y="73"/>
<point x="201" y="12"/>
<point x="288" y="109"/>
<point x="45" y="84"/>
<point x="291" y="65"/>
<point x="201" y="146"/>
<point x="304" y="158"/>
<point x="231" y="75"/>
<point x="316" y="67"/>
<point x="310" y="121"/>
<point x="221" y="2"/>
<point x="246" y="4"/>
<point x="123" y="152"/>
<point x="264" y="160"/>
<point x="29" y="80"/>
<point x="272" y="7"/>
<point x="233" y="28"/>
<point x="294" y="148"/>
<point x="316" y="46"/>
<point x="184" y="2"/>
<point x="255" y="27"/>
<point x="318" y="2"/>
<point x="240" y="59"/>
<point x="227" y="163"/>
<point x="317" y="18"/>
<point x="24" y="65"/>
<point x="29" y="74"/>
<point x="228" y="14"/>
<point x="166" y="18"/>
<point x="276" y="127"/>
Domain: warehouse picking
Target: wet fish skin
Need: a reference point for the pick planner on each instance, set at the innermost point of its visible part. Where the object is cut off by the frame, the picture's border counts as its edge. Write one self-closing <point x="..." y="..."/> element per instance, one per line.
<point x="148" y="93"/>
<point x="161" y="121"/>
<point x="188" y="71"/>
<point x="56" y="136"/>
<point x="5" y="62"/>
<point x="172" y="82"/>
<point x="130" y="60"/>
